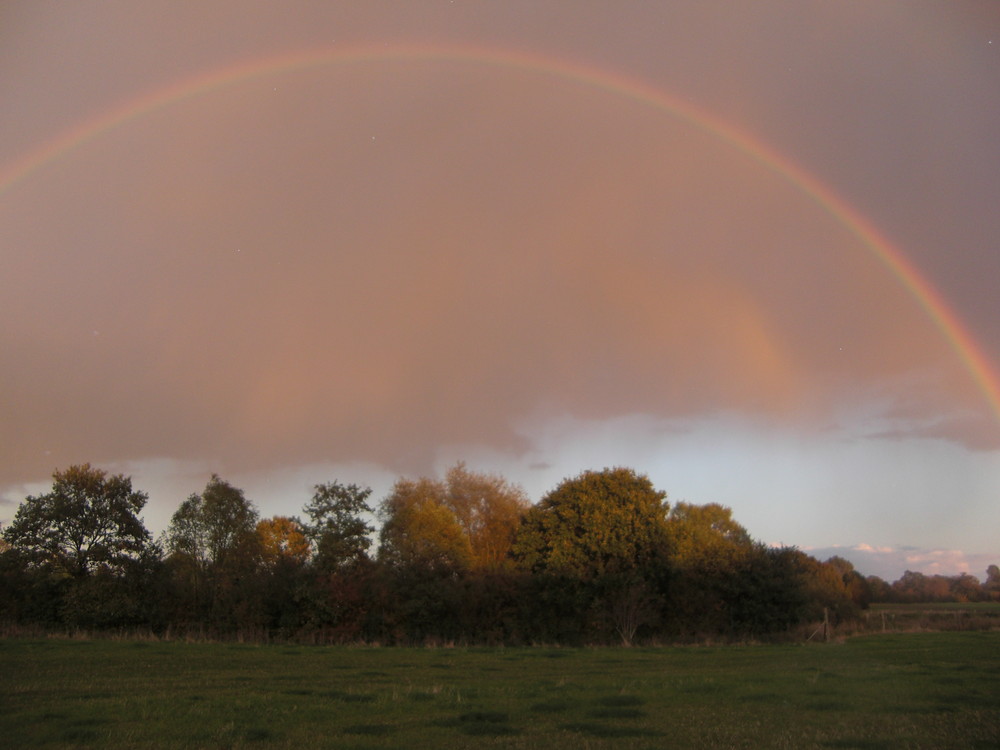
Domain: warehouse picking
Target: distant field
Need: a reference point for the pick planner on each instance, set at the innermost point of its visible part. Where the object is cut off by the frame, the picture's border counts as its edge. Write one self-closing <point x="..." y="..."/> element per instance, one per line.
<point x="937" y="616"/>
<point x="934" y="690"/>
<point x="980" y="607"/>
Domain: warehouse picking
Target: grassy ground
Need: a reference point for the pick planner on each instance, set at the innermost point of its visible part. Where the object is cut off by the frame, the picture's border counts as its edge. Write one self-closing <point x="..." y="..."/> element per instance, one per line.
<point x="936" y="616"/>
<point x="935" y="690"/>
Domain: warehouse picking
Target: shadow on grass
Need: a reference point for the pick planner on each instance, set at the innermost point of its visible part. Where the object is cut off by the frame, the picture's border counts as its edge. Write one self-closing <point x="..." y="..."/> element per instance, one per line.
<point x="83" y="730"/>
<point x="620" y="701"/>
<point x="258" y="734"/>
<point x="616" y="713"/>
<point x="75" y="735"/>
<point x="550" y="707"/>
<point x="598" y="729"/>
<point x="827" y="706"/>
<point x="344" y="697"/>
<point x="373" y="730"/>
<point x="480" y="723"/>
<point x="557" y="654"/>
<point x="763" y="698"/>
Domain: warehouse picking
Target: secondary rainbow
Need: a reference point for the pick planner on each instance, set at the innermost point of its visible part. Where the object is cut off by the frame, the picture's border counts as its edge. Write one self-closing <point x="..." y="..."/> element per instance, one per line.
<point x="894" y="260"/>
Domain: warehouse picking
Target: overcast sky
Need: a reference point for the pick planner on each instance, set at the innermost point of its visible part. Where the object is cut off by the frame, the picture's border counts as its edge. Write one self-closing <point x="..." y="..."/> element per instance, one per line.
<point x="502" y="235"/>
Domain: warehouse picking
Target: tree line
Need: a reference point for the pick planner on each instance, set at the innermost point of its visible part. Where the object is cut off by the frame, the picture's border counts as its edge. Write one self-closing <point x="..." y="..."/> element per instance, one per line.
<point x="601" y="558"/>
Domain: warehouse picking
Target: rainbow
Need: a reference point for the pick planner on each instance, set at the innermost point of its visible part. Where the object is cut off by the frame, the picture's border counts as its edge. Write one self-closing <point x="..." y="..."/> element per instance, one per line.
<point x="892" y="258"/>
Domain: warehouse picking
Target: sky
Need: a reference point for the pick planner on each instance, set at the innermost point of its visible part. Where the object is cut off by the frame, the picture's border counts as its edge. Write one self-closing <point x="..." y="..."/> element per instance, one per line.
<point x="751" y="252"/>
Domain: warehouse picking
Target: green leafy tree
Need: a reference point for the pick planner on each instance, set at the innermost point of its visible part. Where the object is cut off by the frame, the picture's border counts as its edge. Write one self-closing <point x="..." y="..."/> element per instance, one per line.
<point x="334" y="599"/>
<point x="88" y="521"/>
<point x="723" y="582"/>
<point x="709" y="558"/>
<point x="423" y="556"/>
<point x="337" y="528"/>
<point x="215" y="552"/>
<point x="219" y="526"/>
<point x="596" y="523"/>
<point x="768" y="593"/>
<point x="880" y="589"/>
<point x="992" y="586"/>
<point x="596" y="545"/>
<point x="187" y="535"/>
<point x="705" y="536"/>
<point x="230" y="521"/>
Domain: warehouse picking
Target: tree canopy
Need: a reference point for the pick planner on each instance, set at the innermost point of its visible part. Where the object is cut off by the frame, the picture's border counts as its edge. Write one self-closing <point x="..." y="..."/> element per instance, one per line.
<point x="598" y="522"/>
<point x="419" y="529"/>
<point x="601" y="557"/>
<point x="282" y="541"/>
<point x="489" y="510"/>
<point x="218" y="526"/>
<point x="702" y="535"/>
<point x="87" y="520"/>
<point x="339" y="533"/>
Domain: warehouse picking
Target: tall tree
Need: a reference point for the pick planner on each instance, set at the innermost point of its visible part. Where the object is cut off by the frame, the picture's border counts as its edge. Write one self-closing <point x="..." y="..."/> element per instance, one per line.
<point x="419" y="530"/>
<point x="992" y="586"/>
<point x="705" y="535"/>
<point x="337" y="528"/>
<point x="599" y="522"/>
<point x="489" y="509"/>
<point x="231" y="521"/>
<point x="855" y="584"/>
<point x="595" y="545"/>
<point x="881" y="590"/>
<point x="187" y="534"/>
<point x="88" y="520"/>
<point x="214" y="554"/>
<point x="219" y="526"/>
<point x="966" y="588"/>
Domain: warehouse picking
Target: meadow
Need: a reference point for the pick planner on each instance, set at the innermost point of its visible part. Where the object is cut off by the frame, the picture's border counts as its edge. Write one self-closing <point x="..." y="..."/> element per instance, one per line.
<point x="913" y="690"/>
<point x="935" y="616"/>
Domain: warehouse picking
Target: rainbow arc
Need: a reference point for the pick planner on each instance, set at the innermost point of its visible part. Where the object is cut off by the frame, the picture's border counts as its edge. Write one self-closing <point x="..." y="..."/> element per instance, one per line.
<point x="890" y="256"/>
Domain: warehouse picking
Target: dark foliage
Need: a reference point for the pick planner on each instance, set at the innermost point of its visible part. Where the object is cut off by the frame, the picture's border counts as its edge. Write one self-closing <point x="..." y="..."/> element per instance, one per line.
<point x="578" y="571"/>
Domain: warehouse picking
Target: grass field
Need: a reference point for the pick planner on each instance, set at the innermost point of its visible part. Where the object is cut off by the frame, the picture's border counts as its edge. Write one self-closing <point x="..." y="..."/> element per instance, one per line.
<point x="935" y="616"/>
<point x="933" y="690"/>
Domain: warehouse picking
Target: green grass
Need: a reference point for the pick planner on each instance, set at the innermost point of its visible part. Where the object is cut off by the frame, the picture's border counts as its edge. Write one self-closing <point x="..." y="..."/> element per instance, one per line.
<point x="935" y="690"/>
<point x="932" y="616"/>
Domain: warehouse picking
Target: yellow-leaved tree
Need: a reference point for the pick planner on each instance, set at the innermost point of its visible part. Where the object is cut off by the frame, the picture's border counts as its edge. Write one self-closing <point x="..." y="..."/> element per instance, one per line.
<point x="282" y="542"/>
